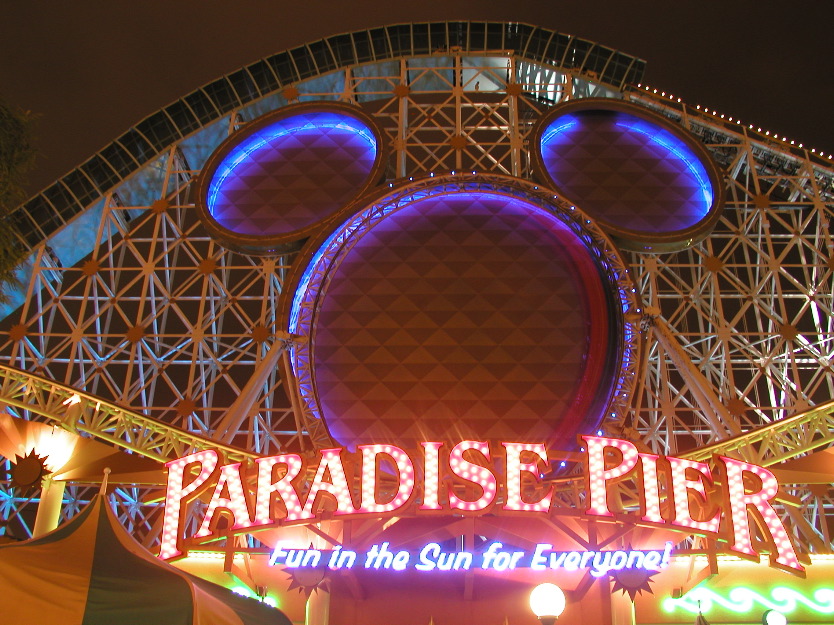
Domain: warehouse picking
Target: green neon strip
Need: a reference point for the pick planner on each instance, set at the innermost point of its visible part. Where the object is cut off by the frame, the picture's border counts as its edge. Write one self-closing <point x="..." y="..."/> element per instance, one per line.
<point x="743" y="599"/>
<point x="243" y="591"/>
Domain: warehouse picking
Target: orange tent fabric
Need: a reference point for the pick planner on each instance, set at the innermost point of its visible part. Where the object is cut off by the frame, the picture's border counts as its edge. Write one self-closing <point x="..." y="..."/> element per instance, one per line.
<point x="90" y="571"/>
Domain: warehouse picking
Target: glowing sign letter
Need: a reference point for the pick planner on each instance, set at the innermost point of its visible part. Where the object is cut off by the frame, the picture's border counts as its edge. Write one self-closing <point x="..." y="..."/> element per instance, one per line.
<point x="336" y="484"/>
<point x="474" y="473"/>
<point x="515" y="468"/>
<point x="599" y="476"/>
<point x="427" y="563"/>
<point x="177" y="491"/>
<point x="405" y="471"/>
<point x="431" y="477"/>
<point x="651" y="493"/>
<point x="283" y="487"/>
<point x="760" y="500"/>
<point x="538" y="562"/>
<point x="681" y="485"/>
<point x="235" y="503"/>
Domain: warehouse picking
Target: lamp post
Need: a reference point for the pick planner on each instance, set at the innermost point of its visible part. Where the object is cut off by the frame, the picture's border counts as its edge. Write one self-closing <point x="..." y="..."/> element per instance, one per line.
<point x="547" y="602"/>
<point x="774" y="617"/>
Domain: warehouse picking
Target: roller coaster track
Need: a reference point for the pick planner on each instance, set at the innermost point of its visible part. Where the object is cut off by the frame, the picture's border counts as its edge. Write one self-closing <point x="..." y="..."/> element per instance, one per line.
<point x="80" y="412"/>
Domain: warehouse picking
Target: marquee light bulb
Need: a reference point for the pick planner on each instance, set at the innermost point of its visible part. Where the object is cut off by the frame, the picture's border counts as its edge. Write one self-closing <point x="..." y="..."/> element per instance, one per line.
<point x="599" y="476"/>
<point x="651" y="493"/>
<point x="682" y="484"/>
<point x="330" y="478"/>
<point x="370" y="478"/>
<point x="740" y="499"/>
<point x="431" y="478"/>
<point x="515" y="468"/>
<point x="476" y="481"/>
<point x="283" y="488"/>
<point x="474" y="473"/>
<point x="176" y="491"/>
<point x="236" y="502"/>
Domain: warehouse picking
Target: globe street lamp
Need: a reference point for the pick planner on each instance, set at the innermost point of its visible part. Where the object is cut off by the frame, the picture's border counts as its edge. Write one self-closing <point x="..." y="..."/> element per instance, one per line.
<point x="774" y="617"/>
<point x="547" y="602"/>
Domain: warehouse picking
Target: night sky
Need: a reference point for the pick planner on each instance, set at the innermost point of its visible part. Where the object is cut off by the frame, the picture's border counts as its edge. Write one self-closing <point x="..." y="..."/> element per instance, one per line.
<point x="91" y="70"/>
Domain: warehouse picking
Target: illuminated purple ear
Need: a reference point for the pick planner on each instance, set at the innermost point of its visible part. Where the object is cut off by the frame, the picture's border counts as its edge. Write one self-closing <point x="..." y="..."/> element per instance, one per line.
<point x="280" y="177"/>
<point x="645" y="181"/>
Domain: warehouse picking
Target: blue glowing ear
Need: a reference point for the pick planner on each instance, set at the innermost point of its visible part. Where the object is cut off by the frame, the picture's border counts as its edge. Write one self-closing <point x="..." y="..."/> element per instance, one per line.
<point x="644" y="180"/>
<point x="279" y="178"/>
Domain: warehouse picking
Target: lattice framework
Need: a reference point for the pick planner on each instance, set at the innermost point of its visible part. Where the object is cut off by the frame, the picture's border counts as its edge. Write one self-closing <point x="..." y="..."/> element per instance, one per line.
<point x="160" y="318"/>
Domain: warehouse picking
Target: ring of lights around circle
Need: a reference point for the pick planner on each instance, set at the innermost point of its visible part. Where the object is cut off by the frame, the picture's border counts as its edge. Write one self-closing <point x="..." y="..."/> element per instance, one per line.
<point x="283" y="175"/>
<point x="604" y="388"/>
<point x="647" y="183"/>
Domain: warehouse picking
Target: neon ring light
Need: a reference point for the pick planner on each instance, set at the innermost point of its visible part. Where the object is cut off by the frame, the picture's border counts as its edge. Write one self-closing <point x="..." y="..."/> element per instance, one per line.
<point x="450" y="309"/>
<point x="650" y="185"/>
<point x="284" y="174"/>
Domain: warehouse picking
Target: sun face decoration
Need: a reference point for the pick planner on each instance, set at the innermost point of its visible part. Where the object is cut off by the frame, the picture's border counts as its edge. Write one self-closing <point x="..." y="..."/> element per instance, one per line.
<point x="307" y="580"/>
<point x="633" y="581"/>
<point x="28" y="471"/>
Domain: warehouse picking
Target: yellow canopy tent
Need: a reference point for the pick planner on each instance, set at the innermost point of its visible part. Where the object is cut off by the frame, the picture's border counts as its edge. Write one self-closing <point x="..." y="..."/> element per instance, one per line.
<point x="90" y="571"/>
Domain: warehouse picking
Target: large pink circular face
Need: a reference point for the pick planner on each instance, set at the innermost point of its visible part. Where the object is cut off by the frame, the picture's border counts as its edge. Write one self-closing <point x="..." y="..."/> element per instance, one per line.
<point x="463" y="315"/>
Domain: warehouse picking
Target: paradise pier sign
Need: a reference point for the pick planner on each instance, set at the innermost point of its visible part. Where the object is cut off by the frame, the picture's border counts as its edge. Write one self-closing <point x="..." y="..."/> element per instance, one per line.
<point x="476" y="477"/>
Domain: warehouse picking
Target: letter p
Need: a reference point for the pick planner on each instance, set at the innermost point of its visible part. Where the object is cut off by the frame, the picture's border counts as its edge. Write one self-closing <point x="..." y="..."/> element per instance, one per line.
<point x="176" y="492"/>
<point x="599" y="476"/>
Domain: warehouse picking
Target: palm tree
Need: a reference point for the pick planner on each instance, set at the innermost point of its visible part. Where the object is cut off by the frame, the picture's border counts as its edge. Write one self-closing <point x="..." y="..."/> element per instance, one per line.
<point x="17" y="155"/>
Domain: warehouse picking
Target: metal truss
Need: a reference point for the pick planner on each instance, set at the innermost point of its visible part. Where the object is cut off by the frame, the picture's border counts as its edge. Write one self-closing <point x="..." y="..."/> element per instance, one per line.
<point x="750" y="306"/>
<point x="540" y="48"/>
<point x="33" y="397"/>
<point x="177" y="336"/>
<point x="162" y="318"/>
